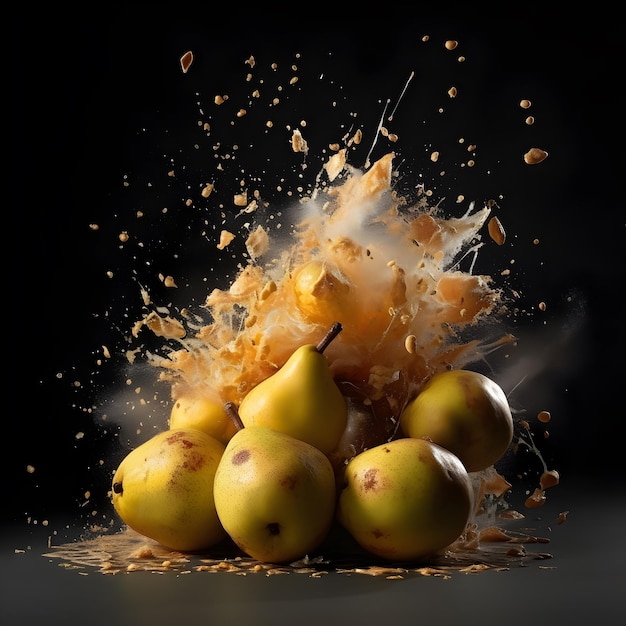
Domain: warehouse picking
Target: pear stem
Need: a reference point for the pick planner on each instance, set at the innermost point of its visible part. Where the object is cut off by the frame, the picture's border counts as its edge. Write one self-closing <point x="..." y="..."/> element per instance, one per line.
<point x="233" y="413"/>
<point x="334" y="330"/>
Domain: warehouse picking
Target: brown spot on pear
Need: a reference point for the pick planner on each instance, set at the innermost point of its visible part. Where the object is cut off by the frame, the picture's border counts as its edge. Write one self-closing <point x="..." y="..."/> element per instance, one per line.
<point x="274" y="494"/>
<point x="163" y="489"/>
<point x="241" y="457"/>
<point x="422" y="503"/>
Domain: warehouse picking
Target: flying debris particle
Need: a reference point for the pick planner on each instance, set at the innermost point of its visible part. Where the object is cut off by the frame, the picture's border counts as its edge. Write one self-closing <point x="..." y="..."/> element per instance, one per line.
<point x="207" y="190"/>
<point x="257" y="243"/>
<point x="410" y="344"/>
<point x="525" y="104"/>
<point x="544" y="416"/>
<point x="451" y="44"/>
<point x="335" y="164"/>
<point x="164" y="326"/>
<point x="240" y="199"/>
<point x="496" y="230"/>
<point x="391" y="136"/>
<point x="298" y="142"/>
<point x="145" y="296"/>
<point x="225" y="238"/>
<point x="549" y="478"/>
<point x="535" y="155"/>
<point x="536" y="499"/>
<point x="186" y="60"/>
<point x="249" y="208"/>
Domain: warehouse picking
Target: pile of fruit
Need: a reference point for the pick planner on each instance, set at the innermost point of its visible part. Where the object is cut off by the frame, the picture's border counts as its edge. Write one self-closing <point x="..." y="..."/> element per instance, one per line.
<point x="274" y="475"/>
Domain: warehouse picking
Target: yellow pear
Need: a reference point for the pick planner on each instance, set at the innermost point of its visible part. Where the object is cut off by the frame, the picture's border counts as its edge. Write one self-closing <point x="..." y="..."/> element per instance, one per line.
<point x="301" y="399"/>
<point x="274" y="494"/>
<point x="405" y="500"/>
<point x="204" y="413"/>
<point x="465" y="412"/>
<point x="163" y="489"/>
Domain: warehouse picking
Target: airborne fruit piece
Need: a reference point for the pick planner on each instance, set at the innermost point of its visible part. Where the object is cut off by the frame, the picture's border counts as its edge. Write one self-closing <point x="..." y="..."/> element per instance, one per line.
<point x="301" y="399"/>
<point x="203" y="413"/>
<point x="275" y="495"/>
<point x="406" y="499"/>
<point x="163" y="489"/>
<point x="465" y="412"/>
<point x="321" y="293"/>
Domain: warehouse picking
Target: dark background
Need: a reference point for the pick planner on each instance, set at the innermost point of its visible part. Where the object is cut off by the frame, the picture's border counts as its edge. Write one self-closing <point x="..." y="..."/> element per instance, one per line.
<point x="83" y="81"/>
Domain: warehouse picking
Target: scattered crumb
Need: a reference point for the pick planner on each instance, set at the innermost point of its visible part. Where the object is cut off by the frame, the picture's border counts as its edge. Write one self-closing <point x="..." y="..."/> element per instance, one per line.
<point x="535" y="155"/>
<point x="185" y="61"/>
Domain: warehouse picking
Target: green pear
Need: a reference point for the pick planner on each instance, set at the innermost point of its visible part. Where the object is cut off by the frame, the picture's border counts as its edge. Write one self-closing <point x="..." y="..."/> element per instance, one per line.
<point x="204" y="413"/>
<point x="301" y="399"/>
<point x="163" y="489"/>
<point x="274" y="494"/>
<point x="465" y="412"/>
<point x="405" y="500"/>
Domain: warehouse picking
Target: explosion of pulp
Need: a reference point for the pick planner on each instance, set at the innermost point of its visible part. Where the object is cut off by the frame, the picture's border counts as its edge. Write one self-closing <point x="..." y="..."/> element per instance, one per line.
<point x="388" y="271"/>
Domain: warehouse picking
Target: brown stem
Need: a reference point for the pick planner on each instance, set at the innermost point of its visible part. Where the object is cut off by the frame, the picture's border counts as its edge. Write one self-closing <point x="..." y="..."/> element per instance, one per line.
<point x="233" y="413"/>
<point x="334" y="330"/>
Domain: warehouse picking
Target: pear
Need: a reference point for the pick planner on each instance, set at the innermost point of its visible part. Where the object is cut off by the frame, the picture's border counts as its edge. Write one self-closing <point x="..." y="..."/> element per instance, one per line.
<point x="465" y="412"/>
<point x="274" y="494"/>
<point x="405" y="500"/>
<point x="301" y="399"/>
<point x="163" y="489"/>
<point x="193" y="410"/>
<point x="365" y="429"/>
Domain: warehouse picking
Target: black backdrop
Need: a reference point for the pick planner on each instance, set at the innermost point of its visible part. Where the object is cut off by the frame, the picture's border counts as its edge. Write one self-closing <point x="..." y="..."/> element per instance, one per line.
<point x="83" y="81"/>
